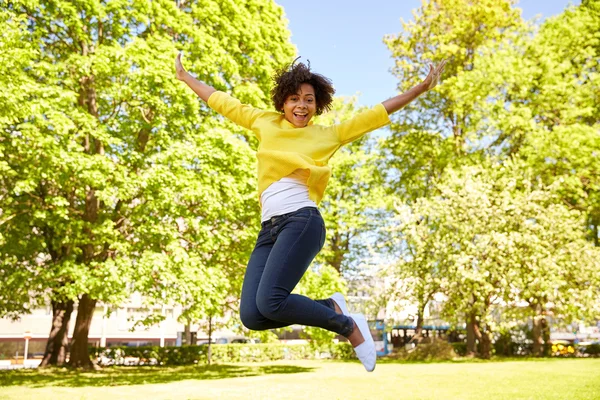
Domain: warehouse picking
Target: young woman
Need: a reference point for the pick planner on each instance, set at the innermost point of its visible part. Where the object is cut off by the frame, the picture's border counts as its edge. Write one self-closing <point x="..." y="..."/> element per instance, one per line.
<point x="292" y="177"/>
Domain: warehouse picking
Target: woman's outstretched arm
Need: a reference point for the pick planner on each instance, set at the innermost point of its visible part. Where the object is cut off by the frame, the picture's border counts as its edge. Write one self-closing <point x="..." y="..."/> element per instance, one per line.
<point x="241" y="114"/>
<point x="202" y="89"/>
<point x="396" y="103"/>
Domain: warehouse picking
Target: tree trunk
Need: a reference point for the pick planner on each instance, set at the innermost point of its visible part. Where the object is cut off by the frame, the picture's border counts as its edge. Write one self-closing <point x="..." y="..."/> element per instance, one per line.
<point x="538" y="326"/>
<point x="419" y="329"/>
<point x="486" y="344"/>
<point x="80" y="357"/>
<point x="471" y="344"/>
<point x="339" y="247"/>
<point x="187" y="333"/>
<point x="483" y="337"/>
<point x="546" y="337"/>
<point x="210" y="329"/>
<point x="595" y="234"/>
<point x="58" y="340"/>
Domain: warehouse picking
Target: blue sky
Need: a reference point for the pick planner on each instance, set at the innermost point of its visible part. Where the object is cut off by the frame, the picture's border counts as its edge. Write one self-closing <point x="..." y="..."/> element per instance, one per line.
<point x="343" y="39"/>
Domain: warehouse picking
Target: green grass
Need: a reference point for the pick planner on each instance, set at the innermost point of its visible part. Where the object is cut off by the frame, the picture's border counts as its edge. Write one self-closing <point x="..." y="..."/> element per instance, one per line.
<point x="509" y="379"/>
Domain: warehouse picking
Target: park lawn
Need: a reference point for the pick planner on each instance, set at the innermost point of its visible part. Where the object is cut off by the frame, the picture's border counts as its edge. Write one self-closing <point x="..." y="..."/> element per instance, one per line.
<point x="513" y="379"/>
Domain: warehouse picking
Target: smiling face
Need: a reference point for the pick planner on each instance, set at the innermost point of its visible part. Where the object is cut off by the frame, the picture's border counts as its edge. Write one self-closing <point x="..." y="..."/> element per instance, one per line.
<point x="299" y="108"/>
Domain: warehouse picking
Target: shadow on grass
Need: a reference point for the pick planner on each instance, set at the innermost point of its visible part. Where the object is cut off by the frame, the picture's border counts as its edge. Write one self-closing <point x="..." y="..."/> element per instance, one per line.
<point x="124" y="376"/>
<point x="465" y="360"/>
<point x="474" y="360"/>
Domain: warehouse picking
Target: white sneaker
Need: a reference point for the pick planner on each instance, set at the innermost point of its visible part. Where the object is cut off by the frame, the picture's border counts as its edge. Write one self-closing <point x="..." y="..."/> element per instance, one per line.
<point x="366" y="350"/>
<point x="341" y="302"/>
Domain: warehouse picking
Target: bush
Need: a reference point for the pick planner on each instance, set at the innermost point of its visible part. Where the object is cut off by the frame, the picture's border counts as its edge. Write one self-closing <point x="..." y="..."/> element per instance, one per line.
<point x="150" y="355"/>
<point x="342" y="351"/>
<point x="566" y="350"/>
<point x="226" y="353"/>
<point x="460" y="348"/>
<point x="437" y="351"/>
<point x="592" y="350"/>
<point x="515" y="341"/>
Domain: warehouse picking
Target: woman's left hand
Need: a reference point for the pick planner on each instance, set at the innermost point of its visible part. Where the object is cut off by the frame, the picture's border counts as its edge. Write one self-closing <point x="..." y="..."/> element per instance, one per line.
<point x="434" y="75"/>
<point x="180" y="72"/>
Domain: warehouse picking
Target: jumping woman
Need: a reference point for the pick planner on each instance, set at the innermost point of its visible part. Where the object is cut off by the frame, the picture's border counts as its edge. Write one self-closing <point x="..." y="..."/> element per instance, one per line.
<point x="292" y="177"/>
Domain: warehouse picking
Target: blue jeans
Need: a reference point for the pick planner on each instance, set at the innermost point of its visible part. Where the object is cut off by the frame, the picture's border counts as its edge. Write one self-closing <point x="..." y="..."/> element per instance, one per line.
<point x="285" y="247"/>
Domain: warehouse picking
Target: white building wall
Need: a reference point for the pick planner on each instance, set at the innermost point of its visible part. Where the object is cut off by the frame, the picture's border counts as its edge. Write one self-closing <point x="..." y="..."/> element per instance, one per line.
<point x="116" y="326"/>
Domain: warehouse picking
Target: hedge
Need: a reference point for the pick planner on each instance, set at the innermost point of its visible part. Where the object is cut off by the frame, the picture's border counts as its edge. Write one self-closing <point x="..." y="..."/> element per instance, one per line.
<point x="460" y="348"/>
<point x="221" y="353"/>
<point x="592" y="349"/>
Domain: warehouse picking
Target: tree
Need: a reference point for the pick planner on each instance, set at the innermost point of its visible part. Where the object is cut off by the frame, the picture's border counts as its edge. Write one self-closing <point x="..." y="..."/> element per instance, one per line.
<point x="486" y="109"/>
<point x="103" y="189"/>
<point x="518" y="245"/>
<point x="437" y="129"/>
<point x="549" y="105"/>
<point x="440" y="130"/>
<point x="27" y="242"/>
<point x="200" y="258"/>
<point x="421" y="258"/>
<point x="565" y="102"/>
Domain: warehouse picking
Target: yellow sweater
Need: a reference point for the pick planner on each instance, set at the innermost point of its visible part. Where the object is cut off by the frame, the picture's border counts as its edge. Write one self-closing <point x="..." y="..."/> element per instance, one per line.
<point x="285" y="148"/>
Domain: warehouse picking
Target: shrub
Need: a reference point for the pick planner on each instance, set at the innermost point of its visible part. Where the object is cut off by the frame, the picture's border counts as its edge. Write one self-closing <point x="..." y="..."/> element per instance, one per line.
<point x="515" y="341"/>
<point x="226" y="353"/>
<point x="564" y="350"/>
<point x="460" y="348"/>
<point x="435" y="351"/>
<point x="342" y="351"/>
<point x="591" y="350"/>
<point x="150" y="355"/>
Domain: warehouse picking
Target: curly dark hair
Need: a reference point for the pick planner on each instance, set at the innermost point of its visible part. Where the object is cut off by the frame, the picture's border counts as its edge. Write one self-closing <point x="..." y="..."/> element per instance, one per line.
<point x="288" y="80"/>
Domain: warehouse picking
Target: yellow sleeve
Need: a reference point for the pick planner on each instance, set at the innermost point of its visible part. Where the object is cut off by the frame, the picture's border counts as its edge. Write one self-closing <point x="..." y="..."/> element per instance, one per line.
<point x="364" y="122"/>
<point x="231" y="108"/>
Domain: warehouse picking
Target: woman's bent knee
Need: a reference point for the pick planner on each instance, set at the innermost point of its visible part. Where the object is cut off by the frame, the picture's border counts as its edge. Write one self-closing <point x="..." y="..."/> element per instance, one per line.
<point x="253" y="321"/>
<point x="269" y="306"/>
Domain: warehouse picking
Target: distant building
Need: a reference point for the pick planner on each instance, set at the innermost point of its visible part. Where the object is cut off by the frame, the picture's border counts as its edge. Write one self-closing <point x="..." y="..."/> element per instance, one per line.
<point x="114" y="328"/>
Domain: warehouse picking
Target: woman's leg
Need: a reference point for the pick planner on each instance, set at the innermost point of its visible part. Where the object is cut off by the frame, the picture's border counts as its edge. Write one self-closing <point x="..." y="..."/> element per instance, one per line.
<point x="249" y="313"/>
<point x="285" y="248"/>
<point x="298" y="238"/>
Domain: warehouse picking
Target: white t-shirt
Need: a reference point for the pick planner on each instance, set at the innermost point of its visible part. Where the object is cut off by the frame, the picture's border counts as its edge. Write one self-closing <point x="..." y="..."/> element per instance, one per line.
<point x="287" y="195"/>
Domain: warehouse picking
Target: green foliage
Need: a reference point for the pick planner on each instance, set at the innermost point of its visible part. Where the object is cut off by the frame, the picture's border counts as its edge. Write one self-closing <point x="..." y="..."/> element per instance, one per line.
<point x="547" y="113"/>
<point x="320" y="282"/>
<point x="229" y="353"/>
<point x="515" y="98"/>
<point x="150" y="355"/>
<point x="591" y="349"/>
<point x="350" y="215"/>
<point x="439" y="129"/>
<point x="516" y="246"/>
<point x="438" y="350"/>
<point x="460" y="348"/>
<point x="114" y="177"/>
<point x="514" y="341"/>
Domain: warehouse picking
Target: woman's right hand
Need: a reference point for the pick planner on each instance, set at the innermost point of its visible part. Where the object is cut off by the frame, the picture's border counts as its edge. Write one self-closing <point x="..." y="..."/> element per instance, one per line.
<point x="180" y="72"/>
<point x="434" y="75"/>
